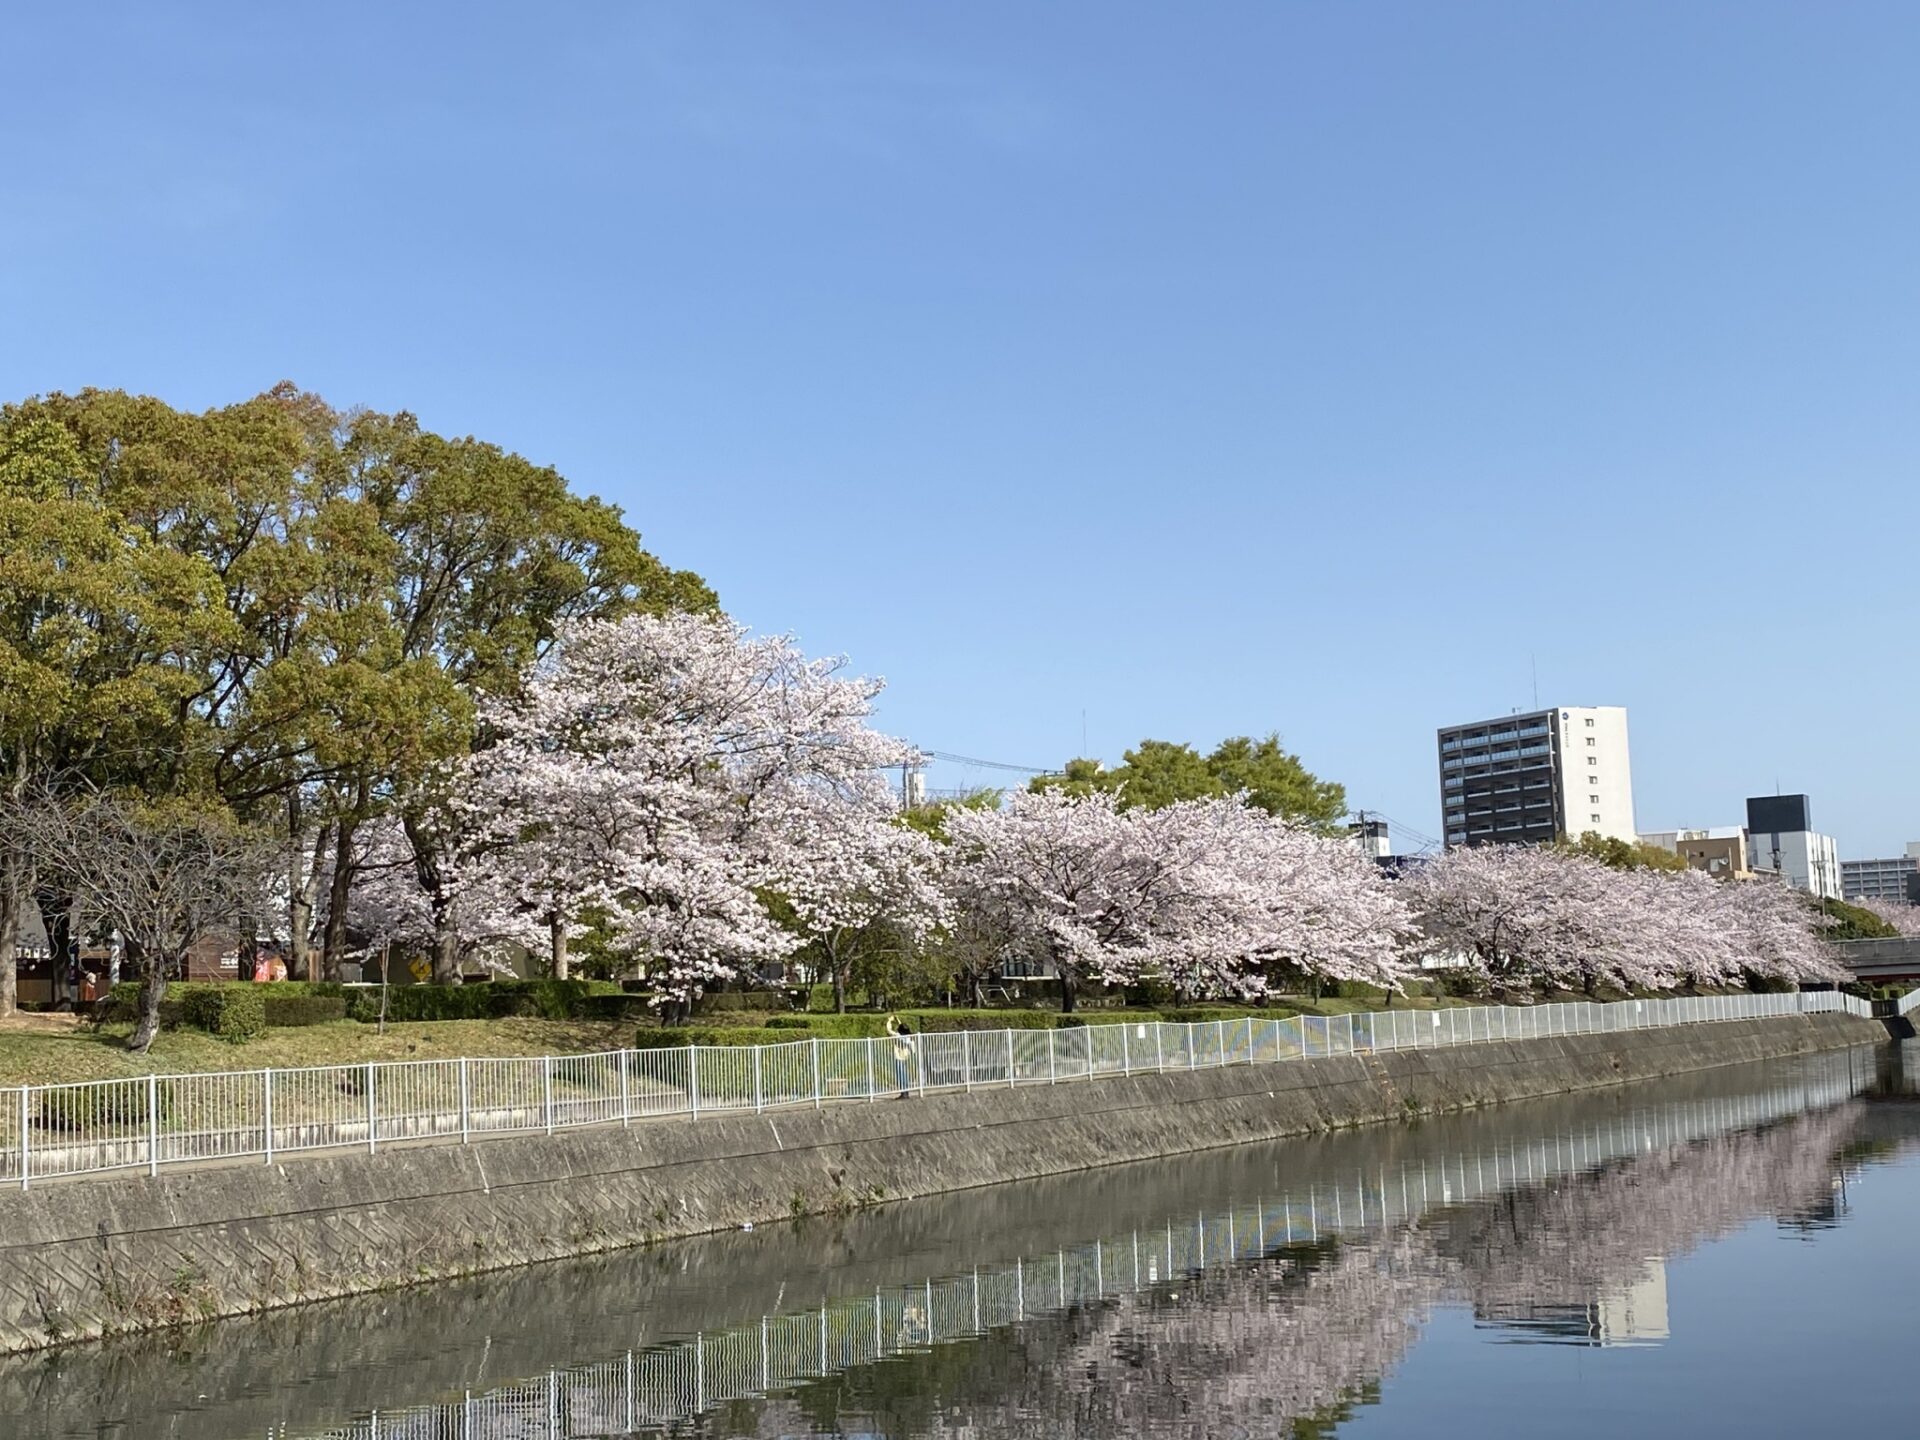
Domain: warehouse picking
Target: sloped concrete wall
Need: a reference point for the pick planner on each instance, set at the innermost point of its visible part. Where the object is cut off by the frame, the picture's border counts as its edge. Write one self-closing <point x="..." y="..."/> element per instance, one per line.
<point x="106" y="1256"/>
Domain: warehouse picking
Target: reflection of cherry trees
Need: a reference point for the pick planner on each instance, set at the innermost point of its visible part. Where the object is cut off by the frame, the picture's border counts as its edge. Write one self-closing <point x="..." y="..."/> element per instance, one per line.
<point x="1575" y="1243"/>
<point x="1237" y="1319"/>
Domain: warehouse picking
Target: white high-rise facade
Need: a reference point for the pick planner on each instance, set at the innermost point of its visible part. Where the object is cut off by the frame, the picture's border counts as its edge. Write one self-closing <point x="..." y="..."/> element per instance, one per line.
<point x="1536" y="777"/>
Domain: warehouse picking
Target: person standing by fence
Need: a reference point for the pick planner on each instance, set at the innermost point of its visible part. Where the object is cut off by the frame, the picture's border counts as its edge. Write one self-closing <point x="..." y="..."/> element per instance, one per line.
<point x="902" y="1036"/>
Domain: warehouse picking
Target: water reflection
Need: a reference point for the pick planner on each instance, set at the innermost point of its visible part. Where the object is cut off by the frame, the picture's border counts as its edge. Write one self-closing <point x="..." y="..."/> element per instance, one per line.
<point x="1240" y="1293"/>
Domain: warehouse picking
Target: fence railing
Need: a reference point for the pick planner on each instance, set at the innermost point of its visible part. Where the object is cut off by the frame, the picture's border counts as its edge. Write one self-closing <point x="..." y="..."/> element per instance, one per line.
<point x="54" y="1131"/>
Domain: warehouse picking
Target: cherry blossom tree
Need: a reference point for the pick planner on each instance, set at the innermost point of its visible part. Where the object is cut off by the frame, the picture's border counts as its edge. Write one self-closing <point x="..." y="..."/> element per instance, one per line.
<point x="671" y="771"/>
<point x="1526" y="917"/>
<point x="857" y="879"/>
<point x="1206" y="894"/>
<point x="1901" y="916"/>
<point x="1249" y="893"/>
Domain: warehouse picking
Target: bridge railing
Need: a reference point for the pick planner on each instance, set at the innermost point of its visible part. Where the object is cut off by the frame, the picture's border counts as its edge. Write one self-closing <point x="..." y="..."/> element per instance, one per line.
<point x="143" y="1123"/>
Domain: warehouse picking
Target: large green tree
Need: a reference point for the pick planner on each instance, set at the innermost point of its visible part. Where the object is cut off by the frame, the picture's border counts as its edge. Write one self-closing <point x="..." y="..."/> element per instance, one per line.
<point x="1157" y="773"/>
<point x="279" y="610"/>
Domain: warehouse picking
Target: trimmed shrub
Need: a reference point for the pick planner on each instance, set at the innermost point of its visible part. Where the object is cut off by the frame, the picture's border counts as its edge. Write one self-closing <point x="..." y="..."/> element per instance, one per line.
<point x="790" y="1022"/>
<point x="92" y="1106"/>
<point x="671" y="1037"/>
<point x="121" y="1004"/>
<point x="721" y="1001"/>
<point x="614" y="1007"/>
<point x="289" y="1011"/>
<point x="488" y="1000"/>
<point x="236" y="1012"/>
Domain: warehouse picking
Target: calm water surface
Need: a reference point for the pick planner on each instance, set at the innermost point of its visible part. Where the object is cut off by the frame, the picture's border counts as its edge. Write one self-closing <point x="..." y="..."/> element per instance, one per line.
<point x="1726" y="1254"/>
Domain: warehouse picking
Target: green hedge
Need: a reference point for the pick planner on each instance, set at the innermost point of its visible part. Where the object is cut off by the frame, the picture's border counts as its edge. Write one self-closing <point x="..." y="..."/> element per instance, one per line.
<point x="629" y="1007"/>
<point x="236" y="1013"/>
<point x="90" y="1106"/>
<point x="489" y="1000"/>
<point x="290" y="1011"/>
<point x="670" y="1037"/>
<point x="121" y="1004"/>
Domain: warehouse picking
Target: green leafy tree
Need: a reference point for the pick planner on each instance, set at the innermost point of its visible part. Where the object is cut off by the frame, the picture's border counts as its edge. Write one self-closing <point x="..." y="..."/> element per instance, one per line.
<point x="1157" y="773"/>
<point x="1842" y="921"/>
<point x="279" y="609"/>
<point x="1276" y="781"/>
<point x="1618" y="854"/>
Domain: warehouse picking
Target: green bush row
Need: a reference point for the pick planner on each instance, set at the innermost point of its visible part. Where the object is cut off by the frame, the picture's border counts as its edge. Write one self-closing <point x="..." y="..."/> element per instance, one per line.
<point x="89" y="1107"/>
<point x="489" y="1000"/>
<point x="235" y="1013"/>
<point x="288" y="1011"/>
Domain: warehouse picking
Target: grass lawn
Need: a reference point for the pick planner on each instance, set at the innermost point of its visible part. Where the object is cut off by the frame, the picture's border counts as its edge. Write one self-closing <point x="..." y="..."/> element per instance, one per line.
<point x="54" y="1049"/>
<point x="47" y="1050"/>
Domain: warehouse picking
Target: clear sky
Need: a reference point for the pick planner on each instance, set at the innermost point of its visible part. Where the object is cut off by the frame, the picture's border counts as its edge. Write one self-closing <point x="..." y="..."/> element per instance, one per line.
<point x="1200" y="370"/>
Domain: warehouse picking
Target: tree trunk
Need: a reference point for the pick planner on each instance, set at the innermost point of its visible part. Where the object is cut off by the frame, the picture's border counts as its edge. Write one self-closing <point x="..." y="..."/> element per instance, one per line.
<point x="1067" y="988"/>
<point x="839" y="987"/>
<point x="56" y="919"/>
<point x="10" y="911"/>
<point x="339" y="894"/>
<point x="557" y="944"/>
<point x="153" y="989"/>
<point x="426" y="869"/>
<point x="303" y="882"/>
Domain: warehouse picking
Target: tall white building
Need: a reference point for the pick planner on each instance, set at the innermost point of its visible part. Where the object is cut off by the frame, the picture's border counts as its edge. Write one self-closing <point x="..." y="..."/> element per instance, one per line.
<point x="1781" y="840"/>
<point x="1534" y="777"/>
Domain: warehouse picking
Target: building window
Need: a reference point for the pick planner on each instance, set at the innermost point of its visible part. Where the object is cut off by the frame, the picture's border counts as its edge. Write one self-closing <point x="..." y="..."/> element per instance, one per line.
<point x="1593" y="799"/>
<point x="1596" y="819"/>
<point x="1593" y="759"/>
<point x="1592" y="741"/>
<point x="1589" y="722"/>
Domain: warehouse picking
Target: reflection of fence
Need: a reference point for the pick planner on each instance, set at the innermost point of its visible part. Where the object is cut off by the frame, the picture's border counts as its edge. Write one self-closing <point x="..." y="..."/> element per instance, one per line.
<point x="666" y="1384"/>
<point x="56" y="1130"/>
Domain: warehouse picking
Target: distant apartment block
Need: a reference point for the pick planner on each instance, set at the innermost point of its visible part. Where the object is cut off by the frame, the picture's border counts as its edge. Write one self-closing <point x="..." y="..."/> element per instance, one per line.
<point x="1531" y="778"/>
<point x="1897" y="879"/>
<point x="1781" y="839"/>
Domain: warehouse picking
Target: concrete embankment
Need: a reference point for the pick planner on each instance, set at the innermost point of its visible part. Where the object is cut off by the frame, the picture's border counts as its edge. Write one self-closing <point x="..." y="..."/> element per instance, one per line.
<point x="106" y="1256"/>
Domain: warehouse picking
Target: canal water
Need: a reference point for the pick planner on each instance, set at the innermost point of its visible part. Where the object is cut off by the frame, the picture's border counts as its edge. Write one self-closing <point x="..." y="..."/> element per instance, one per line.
<point x="1730" y="1253"/>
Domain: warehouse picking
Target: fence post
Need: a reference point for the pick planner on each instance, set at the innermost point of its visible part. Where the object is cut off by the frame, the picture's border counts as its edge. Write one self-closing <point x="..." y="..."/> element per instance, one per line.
<point x="466" y="1103"/>
<point x="816" y="1073"/>
<point x="919" y="1043"/>
<point x="758" y="1094"/>
<point x="626" y="1090"/>
<point x="546" y="1089"/>
<point x="1009" y="1059"/>
<point x="373" y="1113"/>
<point x="870" y="1069"/>
<point x="1193" y="1046"/>
<point x="693" y="1079"/>
<point x="1159" y="1056"/>
<point x="26" y="1169"/>
<point x="1051" y="1075"/>
<point x="153" y="1127"/>
<point x="1249" y="1039"/>
<point x="966" y="1058"/>
<point x="1126" y="1053"/>
<point x="266" y="1111"/>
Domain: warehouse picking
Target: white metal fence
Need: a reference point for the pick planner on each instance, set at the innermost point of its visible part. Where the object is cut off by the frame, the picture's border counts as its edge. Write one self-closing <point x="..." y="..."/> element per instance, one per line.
<point x="667" y="1385"/>
<point x="51" y="1131"/>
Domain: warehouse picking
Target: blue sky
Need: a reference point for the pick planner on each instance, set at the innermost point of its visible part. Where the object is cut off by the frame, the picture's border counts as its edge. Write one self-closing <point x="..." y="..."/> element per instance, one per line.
<point x="1199" y="369"/>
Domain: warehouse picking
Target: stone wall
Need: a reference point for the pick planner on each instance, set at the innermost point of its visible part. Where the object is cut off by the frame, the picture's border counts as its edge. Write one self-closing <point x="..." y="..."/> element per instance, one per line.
<point x="110" y="1255"/>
